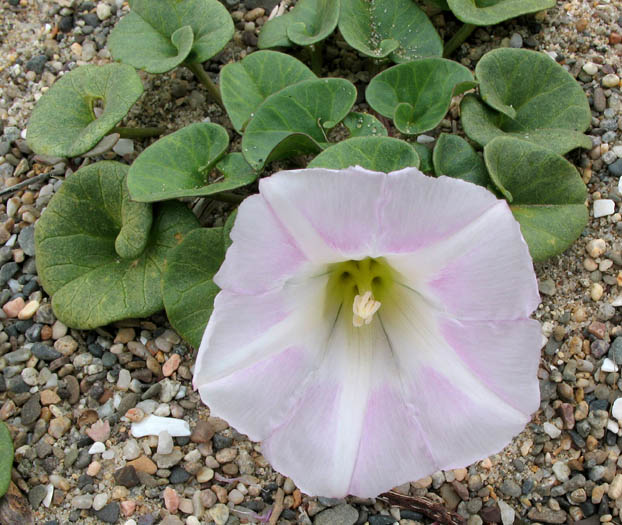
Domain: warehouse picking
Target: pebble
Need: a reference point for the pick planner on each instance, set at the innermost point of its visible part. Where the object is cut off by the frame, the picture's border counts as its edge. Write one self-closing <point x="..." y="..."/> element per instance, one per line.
<point x="59" y="426"/>
<point x="99" y="431"/>
<point x="596" y="247"/>
<point x="126" y="477"/>
<point x="615" y="487"/>
<point x="611" y="80"/>
<point x="508" y="514"/>
<point x="590" y="68"/>
<point x="109" y="513"/>
<point x="603" y="208"/>
<point x="124" y="147"/>
<point x="152" y="426"/>
<point x="103" y="11"/>
<point x="171" y="500"/>
<point x="343" y="514"/>
<point x="596" y="291"/>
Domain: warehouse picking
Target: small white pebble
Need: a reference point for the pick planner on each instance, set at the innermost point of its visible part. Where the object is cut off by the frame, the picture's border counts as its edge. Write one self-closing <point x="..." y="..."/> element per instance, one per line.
<point x="613" y="426"/>
<point x="596" y="247"/>
<point x="97" y="448"/>
<point x="616" y="409"/>
<point x="609" y="366"/>
<point x="603" y="207"/>
<point x="596" y="291"/>
<point x="551" y="430"/>
<point x="590" y="68"/>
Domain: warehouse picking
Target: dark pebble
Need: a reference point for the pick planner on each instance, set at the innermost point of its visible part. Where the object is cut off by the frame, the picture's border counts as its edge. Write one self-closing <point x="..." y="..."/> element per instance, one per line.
<point x="5" y="295"/>
<point x="381" y="520"/>
<point x="127" y="477"/>
<point x="6" y="254"/>
<point x="182" y="441"/>
<point x="36" y="64"/>
<point x="588" y="508"/>
<point x="410" y="515"/>
<point x="615" y="168"/>
<point x="31" y="410"/>
<point x="91" y="19"/>
<point x="16" y="385"/>
<point x="603" y="506"/>
<point x="26" y="240"/>
<point x="178" y="475"/>
<point x="7" y="271"/>
<point x="36" y="495"/>
<point x="96" y="350"/>
<point x="74" y="516"/>
<point x="84" y="480"/>
<point x="289" y="514"/>
<point x="491" y="514"/>
<point x="615" y="350"/>
<point x="45" y="352"/>
<point x="219" y="442"/>
<point x="66" y="24"/>
<point x="83" y="460"/>
<point x="51" y="522"/>
<point x="108" y="359"/>
<point x="30" y="287"/>
<point x="152" y="391"/>
<point x="599" y="348"/>
<point x="109" y="514"/>
<point x="33" y="334"/>
<point x="599" y="404"/>
<point x="510" y="488"/>
<point x="147" y="519"/>
<point x="254" y="505"/>
<point x="23" y="326"/>
<point x="577" y="439"/>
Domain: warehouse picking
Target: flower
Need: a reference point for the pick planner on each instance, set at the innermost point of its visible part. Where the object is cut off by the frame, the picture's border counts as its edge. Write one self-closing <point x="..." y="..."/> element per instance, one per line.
<point x="372" y="328"/>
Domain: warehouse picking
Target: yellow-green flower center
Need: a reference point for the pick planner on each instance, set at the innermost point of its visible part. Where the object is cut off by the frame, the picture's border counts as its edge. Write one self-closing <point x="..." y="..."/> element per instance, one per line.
<point x="359" y="288"/>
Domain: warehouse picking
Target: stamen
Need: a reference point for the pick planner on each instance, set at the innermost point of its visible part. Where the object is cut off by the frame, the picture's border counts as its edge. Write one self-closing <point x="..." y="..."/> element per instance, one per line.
<point x="364" y="308"/>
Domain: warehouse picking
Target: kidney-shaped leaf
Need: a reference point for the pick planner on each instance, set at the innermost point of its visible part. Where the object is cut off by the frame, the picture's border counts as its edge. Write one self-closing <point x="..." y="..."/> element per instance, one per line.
<point x="489" y="12"/>
<point x="63" y="122"/>
<point x="533" y="96"/>
<point x="309" y="22"/>
<point x="293" y="121"/>
<point x="416" y="95"/>
<point x="158" y="35"/>
<point x="425" y="157"/>
<point x="179" y="164"/>
<point x="98" y="254"/>
<point x="544" y="190"/>
<point x="453" y="156"/>
<point x="398" y="29"/>
<point x="364" y="125"/>
<point x="187" y="286"/>
<point x="246" y="84"/>
<point x="373" y="153"/>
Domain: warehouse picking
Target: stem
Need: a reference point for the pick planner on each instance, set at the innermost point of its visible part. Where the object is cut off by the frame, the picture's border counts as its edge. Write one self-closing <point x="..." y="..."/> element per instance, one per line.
<point x="456" y="41"/>
<point x="204" y="78"/>
<point x="227" y="196"/>
<point x="25" y="183"/>
<point x="138" y="133"/>
<point x="317" y="58"/>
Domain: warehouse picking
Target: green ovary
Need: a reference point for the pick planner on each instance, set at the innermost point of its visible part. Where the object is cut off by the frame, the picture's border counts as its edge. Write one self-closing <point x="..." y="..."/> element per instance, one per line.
<point x="351" y="278"/>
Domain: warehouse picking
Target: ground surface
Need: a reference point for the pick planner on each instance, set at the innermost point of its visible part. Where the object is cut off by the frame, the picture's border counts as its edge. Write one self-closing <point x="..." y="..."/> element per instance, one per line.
<point x="566" y="466"/>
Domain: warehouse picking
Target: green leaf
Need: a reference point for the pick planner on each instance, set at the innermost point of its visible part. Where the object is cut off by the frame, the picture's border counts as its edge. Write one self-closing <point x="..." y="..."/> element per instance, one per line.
<point x="416" y="95"/>
<point x="482" y="124"/>
<point x="398" y="29"/>
<point x="490" y="12"/>
<point x="309" y="22"/>
<point x="77" y="238"/>
<point x="246" y="84"/>
<point x="545" y="192"/>
<point x="226" y="231"/>
<point x="425" y="156"/>
<point x="453" y="156"/>
<point x="293" y="121"/>
<point x="179" y="164"/>
<point x="384" y="154"/>
<point x="158" y="35"/>
<point x="533" y="96"/>
<point x="364" y="125"/>
<point x="6" y="458"/>
<point x="187" y="286"/>
<point x="63" y="122"/>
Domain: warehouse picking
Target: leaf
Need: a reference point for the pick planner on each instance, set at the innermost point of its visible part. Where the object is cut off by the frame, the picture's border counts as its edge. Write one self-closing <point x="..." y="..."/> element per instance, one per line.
<point x="416" y="95"/>
<point x="63" y="123"/>
<point x="425" y="157"/>
<point x="364" y="125"/>
<point x="544" y="190"/>
<point x="187" y="286"/>
<point x="441" y="4"/>
<point x="158" y="35"/>
<point x="453" y="156"/>
<point x="6" y="458"/>
<point x="533" y="96"/>
<point x="76" y="242"/>
<point x="179" y="164"/>
<point x="384" y="154"/>
<point x="236" y="171"/>
<point x="482" y="124"/>
<point x="309" y="22"/>
<point x="490" y="12"/>
<point x="398" y="29"/>
<point x="293" y="121"/>
<point x="246" y="84"/>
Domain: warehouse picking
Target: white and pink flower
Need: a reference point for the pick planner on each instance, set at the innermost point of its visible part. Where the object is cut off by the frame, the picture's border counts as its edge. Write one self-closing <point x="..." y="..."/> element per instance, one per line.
<point x="372" y="328"/>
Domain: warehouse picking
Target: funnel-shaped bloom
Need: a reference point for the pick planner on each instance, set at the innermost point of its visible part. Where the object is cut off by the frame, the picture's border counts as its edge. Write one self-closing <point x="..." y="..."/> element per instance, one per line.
<point x="372" y="328"/>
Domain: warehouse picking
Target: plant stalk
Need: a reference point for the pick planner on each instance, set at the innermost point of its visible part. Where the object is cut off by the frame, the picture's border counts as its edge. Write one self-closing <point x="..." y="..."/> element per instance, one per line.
<point x="227" y="196"/>
<point x="138" y="133"/>
<point x="317" y="58"/>
<point x="204" y="78"/>
<point x="456" y="41"/>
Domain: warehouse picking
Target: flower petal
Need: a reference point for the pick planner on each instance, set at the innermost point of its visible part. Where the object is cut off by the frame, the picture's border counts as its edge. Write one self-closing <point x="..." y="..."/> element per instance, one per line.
<point x="263" y="255"/>
<point x="465" y="413"/>
<point x="482" y="271"/>
<point x="419" y="210"/>
<point x="332" y="214"/>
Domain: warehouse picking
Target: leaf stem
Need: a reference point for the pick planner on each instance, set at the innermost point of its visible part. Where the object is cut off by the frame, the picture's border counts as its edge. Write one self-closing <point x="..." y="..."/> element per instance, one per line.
<point x="317" y="58"/>
<point x="227" y="196"/>
<point x="138" y="133"/>
<point x="456" y="41"/>
<point x="26" y="183"/>
<point x="204" y="78"/>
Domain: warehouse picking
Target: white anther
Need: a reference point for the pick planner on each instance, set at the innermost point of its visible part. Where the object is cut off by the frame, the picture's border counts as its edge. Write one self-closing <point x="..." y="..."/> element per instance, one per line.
<point x="364" y="308"/>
